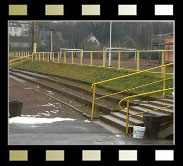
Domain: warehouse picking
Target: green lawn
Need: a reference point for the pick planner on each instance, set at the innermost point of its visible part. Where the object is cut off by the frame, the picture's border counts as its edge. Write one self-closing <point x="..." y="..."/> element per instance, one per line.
<point x="94" y="74"/>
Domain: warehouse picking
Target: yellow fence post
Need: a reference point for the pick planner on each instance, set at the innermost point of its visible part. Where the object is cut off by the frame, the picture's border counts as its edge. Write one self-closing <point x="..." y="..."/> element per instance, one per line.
<point x="43" y="56"/>
<point x="164" y="81"/>
<point x="162" y="60"/>
<point x="53" y="57"/>
<point x="81" y="57"/>
<point x="127" y="116"/>
<point x="32" y="57"/>
<point x="39" y="56"/>
<point x="138" y="60"/>
<point x="103" y="58"/>
<point x="93" y="103"/>
<point x="58" y="55"/>
<point x="119" y="60"/>
<point x="65" y="57"/>
<point x="91" y="58"/>
<point x="72" y="57"/>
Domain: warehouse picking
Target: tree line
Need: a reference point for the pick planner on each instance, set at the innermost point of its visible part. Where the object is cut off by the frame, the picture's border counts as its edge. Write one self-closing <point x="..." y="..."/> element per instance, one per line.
<point x="124" y="34"/>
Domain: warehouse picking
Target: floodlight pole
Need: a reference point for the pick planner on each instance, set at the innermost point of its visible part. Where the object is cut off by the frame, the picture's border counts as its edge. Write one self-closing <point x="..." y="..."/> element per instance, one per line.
<point x="110" y="44"/>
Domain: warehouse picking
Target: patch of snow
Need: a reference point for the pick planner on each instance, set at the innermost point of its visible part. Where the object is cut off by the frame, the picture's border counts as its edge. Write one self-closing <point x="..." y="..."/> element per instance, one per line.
<point x="136" y="100"/>
<point x="45" y="114"/>
<point x="49" y="105"/>
<point x="28" y="88"/>
<point x="50" y="92"/>
<point x="30" y="120"/>
<point x="118" y="136"/>
<point x="87" y="121"/>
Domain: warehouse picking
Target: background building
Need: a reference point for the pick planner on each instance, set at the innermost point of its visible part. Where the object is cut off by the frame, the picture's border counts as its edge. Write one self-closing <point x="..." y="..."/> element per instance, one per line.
<point x="164" y="42"/>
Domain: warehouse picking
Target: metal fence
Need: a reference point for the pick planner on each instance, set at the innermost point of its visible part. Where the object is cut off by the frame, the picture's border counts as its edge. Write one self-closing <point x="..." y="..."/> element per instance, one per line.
<point x="131" y="60"/>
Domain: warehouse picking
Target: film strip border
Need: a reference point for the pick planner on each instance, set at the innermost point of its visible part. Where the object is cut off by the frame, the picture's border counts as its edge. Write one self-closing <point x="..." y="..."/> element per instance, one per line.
<point x="91" y="10"/>
<point x="92" y="155"/>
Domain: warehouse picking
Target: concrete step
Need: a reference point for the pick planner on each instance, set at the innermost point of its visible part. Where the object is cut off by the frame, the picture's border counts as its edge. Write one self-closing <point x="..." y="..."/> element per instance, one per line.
<point x="141" y="108"/>
<point x="160" y="103"/>
<point x="103" y="106"/>
<point x="67" y="83"/>
<point x="169" y="101"/>
<point x="82" y="109"/>
<point x="149" y="107"/>
<point x="132" y="112"/>
<point x="115" y="122"/>
<point x="169" y="97"/>
<point x="132" y="120"/>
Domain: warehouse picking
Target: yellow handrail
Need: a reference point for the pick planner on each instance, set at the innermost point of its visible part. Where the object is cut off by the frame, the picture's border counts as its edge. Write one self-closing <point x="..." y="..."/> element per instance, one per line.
<point x="156" y="109"/>
<point x="20" y="60"/>
<point x="151" y="83"/>
<point x="139" y="95"/>
<point x="132" y="74"/>
<point x="142" y="94"/>
<point x="125" y="76"/>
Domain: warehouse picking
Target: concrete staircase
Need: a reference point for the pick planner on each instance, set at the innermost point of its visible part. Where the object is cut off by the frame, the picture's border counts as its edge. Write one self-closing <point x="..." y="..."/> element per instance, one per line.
<point x="79" y="94"/>
<point x="118" y="119"/>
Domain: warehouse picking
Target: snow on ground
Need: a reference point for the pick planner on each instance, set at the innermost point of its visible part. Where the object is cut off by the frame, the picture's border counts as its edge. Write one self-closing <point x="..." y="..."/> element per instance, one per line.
<point x="33" y="120"/>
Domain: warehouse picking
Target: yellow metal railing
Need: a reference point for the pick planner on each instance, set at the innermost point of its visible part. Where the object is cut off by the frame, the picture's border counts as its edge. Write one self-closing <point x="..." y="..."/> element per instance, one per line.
<point x="20" y="60"/>
<point x="42" y="56"/>
<point x="164" y="79"/>
<point x="139" y="95"/>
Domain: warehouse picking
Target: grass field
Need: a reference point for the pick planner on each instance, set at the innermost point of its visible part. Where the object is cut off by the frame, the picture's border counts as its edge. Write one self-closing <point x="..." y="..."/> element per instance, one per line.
<point x="94" y="74"/>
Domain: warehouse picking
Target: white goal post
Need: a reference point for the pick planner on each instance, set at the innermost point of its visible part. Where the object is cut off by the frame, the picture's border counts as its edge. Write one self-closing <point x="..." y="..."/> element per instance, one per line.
<point x="119" y="49"/>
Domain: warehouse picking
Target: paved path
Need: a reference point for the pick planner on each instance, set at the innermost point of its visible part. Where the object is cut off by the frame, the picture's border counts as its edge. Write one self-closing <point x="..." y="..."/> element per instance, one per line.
<point x="70" y="133"/>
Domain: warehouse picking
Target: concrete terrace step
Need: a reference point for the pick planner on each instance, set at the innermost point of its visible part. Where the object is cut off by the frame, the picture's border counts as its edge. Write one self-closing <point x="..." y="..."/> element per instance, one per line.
<point x="105" y="107"/>
<point x="149" y="107"/>
<point x="122" y="117"/>
<point x="160" y="103"/>
<point x="169" y="101"/>
<point x="67" y="83"/>
<point x="169" y="97"/>
<point x="143" y="108"/>
<point x="82" y="109"/>
<point x="115" y="122"/>
<point x="132" y="112"/>
<point x="30" y="73"/>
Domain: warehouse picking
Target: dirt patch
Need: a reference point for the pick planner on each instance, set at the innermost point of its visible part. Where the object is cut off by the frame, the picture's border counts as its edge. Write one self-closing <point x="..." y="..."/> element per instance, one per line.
<point x="37" y="104"/>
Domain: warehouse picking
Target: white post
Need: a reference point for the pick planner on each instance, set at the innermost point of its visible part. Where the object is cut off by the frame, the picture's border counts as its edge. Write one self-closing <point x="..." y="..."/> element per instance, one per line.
<point x="135" y="56"/>
<point x="51" y="47"/>
<point x="110" y="44"/>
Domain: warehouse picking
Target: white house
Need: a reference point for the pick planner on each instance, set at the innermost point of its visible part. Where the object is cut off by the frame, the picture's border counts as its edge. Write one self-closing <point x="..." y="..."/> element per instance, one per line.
<point x="15" y="29"/>
<point x="92" y="39"/>
<point x="25" y="28"/>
